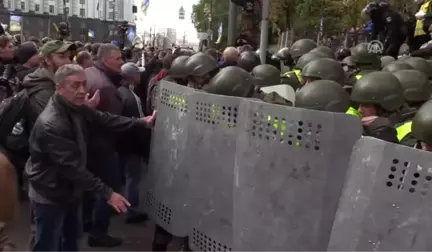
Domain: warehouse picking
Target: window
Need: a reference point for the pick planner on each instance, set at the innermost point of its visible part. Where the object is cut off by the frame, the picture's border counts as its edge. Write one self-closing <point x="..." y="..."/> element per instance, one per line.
<point x="110" y="15"/>
<point x="66" y="10"/>
<point x="82" y="1"/>
<point x="37" y="7"/>
<point x="22" y="5"/>
<point x="111" y="5"/>
<point x="67" y="1"/>
<point x="51" y="8"/>
<point x="82" y="12"/>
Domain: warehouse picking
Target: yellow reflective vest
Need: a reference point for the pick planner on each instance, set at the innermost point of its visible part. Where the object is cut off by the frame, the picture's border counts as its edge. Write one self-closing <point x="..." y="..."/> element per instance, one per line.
<point x="419" y="24"/>
<point x="358" y="76"/>
<point x="296" y="72"/>
<point x="352" y="111"/>
<point x="403" y="130"/>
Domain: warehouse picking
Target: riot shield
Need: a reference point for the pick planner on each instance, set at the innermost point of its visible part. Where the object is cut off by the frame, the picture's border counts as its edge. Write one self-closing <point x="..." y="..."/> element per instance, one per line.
<point x="290" y="170"/>
<point x="386" y="203"/>
<point x="212" y="143"/>
<point x="167" y="179"/>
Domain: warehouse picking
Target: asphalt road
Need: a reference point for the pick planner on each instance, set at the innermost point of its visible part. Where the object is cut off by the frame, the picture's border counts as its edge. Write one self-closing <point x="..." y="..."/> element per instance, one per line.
<point x="137" y="237"/>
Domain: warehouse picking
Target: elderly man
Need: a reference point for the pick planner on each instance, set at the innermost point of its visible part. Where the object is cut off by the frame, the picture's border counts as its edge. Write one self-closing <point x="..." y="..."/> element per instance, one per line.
<point x="104" y="162"/>
<point x="229" y="57"/>
<point x="58" y="155"/>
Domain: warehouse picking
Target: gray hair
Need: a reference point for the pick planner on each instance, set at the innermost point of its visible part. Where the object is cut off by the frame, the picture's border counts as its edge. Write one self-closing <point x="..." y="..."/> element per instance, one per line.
<point x="65" y="71"/>
<point x="105" y="51"/>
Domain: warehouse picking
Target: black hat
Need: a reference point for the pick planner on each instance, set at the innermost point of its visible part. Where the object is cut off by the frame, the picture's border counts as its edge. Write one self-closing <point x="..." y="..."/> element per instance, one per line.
<point x="25" y="51"/>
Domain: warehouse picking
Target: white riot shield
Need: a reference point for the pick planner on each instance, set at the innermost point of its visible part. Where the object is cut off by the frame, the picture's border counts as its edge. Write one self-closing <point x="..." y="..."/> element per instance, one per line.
<point x="290" y="170"/>
<point x="387" y="202"/>
<point x="211" y="153"/>
<point x="284" y="90"/>
<point x="167" y="179"/>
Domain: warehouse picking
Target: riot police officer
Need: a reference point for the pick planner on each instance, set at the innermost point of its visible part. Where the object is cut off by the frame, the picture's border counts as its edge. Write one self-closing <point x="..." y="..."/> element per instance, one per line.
<point x="324" y="50"/>
<point x="284" y="56"/>
<point x="420" y="64"/>
<point x="323" y="69"/>
<point x="235" y="81"/>
<point x="388" y="26"/>
<point x="422" y="127"/>
<point x="202" y="67"/>
<point x="325" y="95"/>
<point x="294" y="77"/>
<point x="379" y="96"/>
<point x="267" y="74"/>
<point x="326" y="69"/>
<point x="385" y="60"/>
<point x="396" y="66"/>
<point x="232" y="81"/>
<point x="248" y="60"/>
<point x="365" y="61"/>
<point x="178" y="73"/>
<point x="301" y="47"/>
<point x="417" y="89"/>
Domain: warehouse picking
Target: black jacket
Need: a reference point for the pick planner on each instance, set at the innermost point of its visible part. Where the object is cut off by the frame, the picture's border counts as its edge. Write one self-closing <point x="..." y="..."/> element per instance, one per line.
<point x="58" y="153"/>
<point x="138" y="143"/>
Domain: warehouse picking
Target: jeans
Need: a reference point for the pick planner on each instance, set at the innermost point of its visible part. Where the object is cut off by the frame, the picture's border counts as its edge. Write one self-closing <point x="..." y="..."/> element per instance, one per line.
<point x="58" y="228"/>
<point x="133" y="166"/>
<point x="112" y="176"/>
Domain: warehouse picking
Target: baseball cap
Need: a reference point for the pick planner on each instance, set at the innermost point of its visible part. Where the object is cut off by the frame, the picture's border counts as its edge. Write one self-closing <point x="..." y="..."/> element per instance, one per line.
<point x="129" y="69"/>
<point x="55" y="46"/>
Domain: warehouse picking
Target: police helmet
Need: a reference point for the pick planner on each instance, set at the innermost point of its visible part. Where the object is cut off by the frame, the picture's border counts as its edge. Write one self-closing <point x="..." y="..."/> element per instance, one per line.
<point x="178" y="67"/>
<point x="232" y="81"/>
<point x="421" y="127"/>
<point x="415" y="85"/>
<point x="379" y="88"/>
<point x="201" y="64"/>
<point x="301" y="47"/>
<point x="248" y="60"/>
<point x="325" y="69"/>
<point x="323" y="95"/>
<point x="267" y="75"/>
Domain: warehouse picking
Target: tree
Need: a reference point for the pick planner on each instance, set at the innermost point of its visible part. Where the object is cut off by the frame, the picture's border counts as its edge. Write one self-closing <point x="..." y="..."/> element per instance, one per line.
<point x="209" y="14"/>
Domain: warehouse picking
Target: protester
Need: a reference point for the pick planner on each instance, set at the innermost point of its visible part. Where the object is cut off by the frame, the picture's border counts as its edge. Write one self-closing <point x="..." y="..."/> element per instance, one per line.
<point x="134" y="154"/>
<point x="57" y="165"/>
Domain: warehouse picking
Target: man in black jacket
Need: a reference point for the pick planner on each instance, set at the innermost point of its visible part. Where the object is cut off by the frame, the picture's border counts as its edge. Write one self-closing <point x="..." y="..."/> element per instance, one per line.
<point x="58" y="156"/>
<point x="133" y="162"/>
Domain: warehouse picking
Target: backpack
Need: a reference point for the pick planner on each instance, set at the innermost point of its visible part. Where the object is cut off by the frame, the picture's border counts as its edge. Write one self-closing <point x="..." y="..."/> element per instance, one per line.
<point x="13" y="109"/>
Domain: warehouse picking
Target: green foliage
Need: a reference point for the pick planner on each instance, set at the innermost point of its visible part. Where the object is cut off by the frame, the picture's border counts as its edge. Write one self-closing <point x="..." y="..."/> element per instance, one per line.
<point x="201" y="16"/>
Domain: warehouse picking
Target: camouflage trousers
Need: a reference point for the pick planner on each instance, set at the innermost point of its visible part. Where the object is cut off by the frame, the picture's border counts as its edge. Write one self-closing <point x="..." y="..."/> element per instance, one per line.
<point x="5" y="243"/>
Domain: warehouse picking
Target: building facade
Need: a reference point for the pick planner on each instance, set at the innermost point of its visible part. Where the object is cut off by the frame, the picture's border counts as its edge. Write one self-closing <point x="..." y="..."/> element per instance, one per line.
<point x="89" y="19"/>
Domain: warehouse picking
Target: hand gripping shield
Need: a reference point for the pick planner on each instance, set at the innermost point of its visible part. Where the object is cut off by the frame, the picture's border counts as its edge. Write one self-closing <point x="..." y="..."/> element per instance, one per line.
<point x="167" y="179"/>
<point x="212" y="144"/>
<point x="290" y="170"/>
<point x="386" y="204"/>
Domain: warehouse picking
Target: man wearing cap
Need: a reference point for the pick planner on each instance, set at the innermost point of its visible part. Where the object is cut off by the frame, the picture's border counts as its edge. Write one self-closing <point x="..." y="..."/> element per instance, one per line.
<point x="133" y="154"/>
<point x="40" y="84"/>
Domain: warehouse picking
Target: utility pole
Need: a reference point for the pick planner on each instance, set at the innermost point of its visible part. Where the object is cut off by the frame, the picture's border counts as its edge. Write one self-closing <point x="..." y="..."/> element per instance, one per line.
<point x="210" y="19"/>
<point x="264" y="31"/>
<point x="232" y="22"/>
<point x="184" y="38"/>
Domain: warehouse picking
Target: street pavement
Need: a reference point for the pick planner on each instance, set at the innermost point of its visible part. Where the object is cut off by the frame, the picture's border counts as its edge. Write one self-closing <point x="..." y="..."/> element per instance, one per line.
<point x="137" y="237"/>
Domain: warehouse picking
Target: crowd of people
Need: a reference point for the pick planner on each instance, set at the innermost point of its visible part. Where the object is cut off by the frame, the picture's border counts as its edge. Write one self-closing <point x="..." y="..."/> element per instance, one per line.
<point x="76" y="119"/>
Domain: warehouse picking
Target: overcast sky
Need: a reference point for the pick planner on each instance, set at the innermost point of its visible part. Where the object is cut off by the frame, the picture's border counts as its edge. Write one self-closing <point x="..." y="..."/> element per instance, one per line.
<point x="164" y="14"/>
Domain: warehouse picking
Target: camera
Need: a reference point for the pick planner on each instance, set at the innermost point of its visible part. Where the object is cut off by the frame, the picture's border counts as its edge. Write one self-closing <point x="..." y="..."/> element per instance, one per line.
<point x="64" y="30"/>
<point x="123" y="28"/>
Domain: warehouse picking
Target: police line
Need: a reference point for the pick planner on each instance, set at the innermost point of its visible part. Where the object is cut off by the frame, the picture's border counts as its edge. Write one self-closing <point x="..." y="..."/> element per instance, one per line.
<point x="240" y="174"/>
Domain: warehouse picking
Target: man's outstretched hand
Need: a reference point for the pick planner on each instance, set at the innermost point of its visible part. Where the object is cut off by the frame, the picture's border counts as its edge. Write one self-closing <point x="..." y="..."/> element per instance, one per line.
<point x="148" y="121"/>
